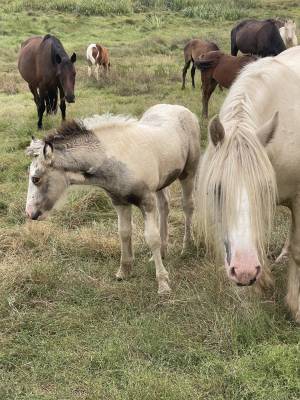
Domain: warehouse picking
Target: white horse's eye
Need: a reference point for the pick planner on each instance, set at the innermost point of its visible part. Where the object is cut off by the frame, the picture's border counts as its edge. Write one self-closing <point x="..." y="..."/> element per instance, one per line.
<point x="36" y="180"/>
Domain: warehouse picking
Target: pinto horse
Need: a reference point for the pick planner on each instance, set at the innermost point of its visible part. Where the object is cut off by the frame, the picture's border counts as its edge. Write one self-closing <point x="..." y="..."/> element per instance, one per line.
<point x="192" y="51"/>
<point x="44" y="64"/>
<point x="218" y="68"/>
<point x="261" y="38"/>
<point x="97" y="55"/>
<point x="134" y="161"/>
<point x="251" y="164"/>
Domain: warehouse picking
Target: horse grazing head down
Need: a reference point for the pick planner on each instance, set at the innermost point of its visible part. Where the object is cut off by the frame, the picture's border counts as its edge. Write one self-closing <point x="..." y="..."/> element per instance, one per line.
<point x="46" y="184"/>
<point x="66" y="75"/>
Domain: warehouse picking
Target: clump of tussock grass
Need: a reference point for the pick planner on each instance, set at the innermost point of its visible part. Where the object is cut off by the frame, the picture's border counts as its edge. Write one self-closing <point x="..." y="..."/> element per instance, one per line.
<point x="10" y="84"/>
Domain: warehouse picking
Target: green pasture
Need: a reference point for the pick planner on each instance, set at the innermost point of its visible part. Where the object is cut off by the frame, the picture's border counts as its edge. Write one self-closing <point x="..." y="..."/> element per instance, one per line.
<point x="68" y="329"/>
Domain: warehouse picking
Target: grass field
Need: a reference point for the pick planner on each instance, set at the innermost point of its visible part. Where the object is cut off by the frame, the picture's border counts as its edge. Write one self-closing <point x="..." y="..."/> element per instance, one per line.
<point x="68" y="329"/>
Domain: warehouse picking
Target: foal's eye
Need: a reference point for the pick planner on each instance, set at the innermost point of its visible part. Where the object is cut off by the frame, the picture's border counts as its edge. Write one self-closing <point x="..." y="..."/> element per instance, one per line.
<point x="36" y="180"/>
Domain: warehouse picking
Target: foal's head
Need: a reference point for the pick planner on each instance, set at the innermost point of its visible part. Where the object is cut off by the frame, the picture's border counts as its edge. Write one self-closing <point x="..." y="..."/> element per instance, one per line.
<point x="46" y="184"/>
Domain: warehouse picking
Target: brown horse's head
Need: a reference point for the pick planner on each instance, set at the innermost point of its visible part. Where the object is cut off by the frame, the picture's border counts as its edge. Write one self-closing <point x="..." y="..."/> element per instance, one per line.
<point x="66" y="75"/>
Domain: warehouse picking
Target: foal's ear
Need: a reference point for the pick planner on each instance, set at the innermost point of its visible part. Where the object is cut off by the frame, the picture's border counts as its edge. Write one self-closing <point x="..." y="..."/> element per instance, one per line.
<point x="57" y="58"/>
<point x="216" y="130"/>
<point x="48" y="151"/>
<point x="266" y="132"/>
<point x="73" y="58"/>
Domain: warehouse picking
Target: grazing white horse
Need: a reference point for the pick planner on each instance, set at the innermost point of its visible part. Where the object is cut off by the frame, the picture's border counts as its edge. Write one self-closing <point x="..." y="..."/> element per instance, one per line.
<point x="133" y="161"/>
<point x="252" y="162"/>
<point x="288" y="33"/>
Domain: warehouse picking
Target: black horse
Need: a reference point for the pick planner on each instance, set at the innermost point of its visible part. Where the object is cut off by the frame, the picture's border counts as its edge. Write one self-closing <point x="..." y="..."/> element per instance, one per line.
<point x="261" y="38"/>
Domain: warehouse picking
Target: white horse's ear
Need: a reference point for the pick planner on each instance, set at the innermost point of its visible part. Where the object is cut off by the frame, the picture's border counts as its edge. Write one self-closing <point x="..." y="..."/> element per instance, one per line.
<point x="216" y="130"/>
<point x="48" y="152"/>
<point x="266" y="132"/>
<point x="34" y="148"/>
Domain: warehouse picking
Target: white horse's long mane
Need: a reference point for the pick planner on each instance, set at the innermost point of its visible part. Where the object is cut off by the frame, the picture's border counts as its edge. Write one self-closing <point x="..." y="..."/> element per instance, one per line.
<point x="107" y="121"/>
<point x="239" y="162"/>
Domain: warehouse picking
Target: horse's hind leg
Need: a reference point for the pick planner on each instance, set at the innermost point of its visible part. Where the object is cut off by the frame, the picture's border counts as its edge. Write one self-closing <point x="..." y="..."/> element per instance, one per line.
<point x="36" y="96"/>
<point x="125" y="234"/>
<point x="187" y="185"/>
<point x="163" y="207"/>
<point x="184" y="71"/>
<point x="193" y="71"/>
<point x="152" y="236"/>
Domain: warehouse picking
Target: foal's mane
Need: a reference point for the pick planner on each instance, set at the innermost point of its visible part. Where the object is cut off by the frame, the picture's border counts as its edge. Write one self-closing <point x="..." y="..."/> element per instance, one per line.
<point x="240" y="161"/>
<point x="67" y="132"/>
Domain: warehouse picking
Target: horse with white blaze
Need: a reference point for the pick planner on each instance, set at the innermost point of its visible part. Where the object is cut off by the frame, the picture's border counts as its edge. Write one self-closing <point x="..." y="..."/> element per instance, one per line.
<point x="134" y="161"/>
<point x="252" y="162"/>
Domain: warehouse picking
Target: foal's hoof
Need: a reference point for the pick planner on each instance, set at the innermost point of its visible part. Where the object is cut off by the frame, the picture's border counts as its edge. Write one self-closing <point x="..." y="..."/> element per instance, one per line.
<point x="123" y="272"/>
<point x="163" y="288"/>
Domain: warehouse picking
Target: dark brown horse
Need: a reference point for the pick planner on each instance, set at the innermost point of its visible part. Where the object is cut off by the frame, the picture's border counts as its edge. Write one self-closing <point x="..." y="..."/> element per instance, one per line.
<point x="44" y="64"/>
<point x="257" y="37"/>
<point x="192" y="51"/>
<point x="219" y="68"/>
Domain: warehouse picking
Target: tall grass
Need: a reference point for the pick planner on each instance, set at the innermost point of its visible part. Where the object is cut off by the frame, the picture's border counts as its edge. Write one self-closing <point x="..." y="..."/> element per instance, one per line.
<point x="204" y="9"/>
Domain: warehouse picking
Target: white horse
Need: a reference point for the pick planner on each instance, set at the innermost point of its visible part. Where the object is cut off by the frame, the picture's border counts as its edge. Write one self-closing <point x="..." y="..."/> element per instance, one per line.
<point x="288" y="33"/>
<point x="252" y="162"/>
<point x="133" y="161"/>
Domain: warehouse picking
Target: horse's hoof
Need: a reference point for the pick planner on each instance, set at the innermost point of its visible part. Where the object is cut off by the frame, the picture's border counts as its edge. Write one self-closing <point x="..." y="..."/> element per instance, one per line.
<point x="163" y="288"/>
<point x="123" y="272"/>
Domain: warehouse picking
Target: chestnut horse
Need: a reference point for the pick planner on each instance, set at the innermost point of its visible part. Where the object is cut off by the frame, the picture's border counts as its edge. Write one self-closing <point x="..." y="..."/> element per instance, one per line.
<point x="97" y="55"/>
<point x="44" y="64"/>
<point x="192" y="51"/>
<point x="257" y="37"/>
<point x="219" y="68"/>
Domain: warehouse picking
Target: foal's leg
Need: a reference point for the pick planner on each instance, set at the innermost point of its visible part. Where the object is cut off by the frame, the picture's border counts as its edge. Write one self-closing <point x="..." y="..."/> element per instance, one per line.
<point x="187" y="185"/>
<point x="293" y="294"/>
<point x="184" y="71"/>
<point x="62" y="104"/>
<point x="163" y="207"/>
<point x="125" y="234"/>
<point x="97" y="68"/>
<point x="193" y="70"/>
<point x="153" y="240"/>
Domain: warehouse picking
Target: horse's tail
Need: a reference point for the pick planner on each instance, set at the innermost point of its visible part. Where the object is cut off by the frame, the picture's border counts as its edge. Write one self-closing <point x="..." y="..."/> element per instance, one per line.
<point x="234" y="48"/>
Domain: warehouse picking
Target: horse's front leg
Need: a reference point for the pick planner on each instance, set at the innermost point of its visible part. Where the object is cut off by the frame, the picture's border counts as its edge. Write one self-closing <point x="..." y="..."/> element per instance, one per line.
<point x="152" y="236"/>
<point x="125" y="234"/>
<point x="293" y="294"/>
<point x="62" y="104"/>
<point x="41" y="108"/>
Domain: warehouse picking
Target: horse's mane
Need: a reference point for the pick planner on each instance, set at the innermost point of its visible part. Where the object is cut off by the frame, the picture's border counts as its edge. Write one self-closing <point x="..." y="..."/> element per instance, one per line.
<point x="109" y="121"/>
<point x="67" y="132"/>
<point x="56" y="48"/>
<point x="240" y="161"/>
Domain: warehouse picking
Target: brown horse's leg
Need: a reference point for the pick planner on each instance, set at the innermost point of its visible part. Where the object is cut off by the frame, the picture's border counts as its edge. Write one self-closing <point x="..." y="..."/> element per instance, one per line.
<point x="193" y="70"/>
<point x="184" y="71"/>
<point x="62" y="104"/>
<point x="208" y="86"/>
<point x="34" y="91"/>
<point x="41" y="108"/>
